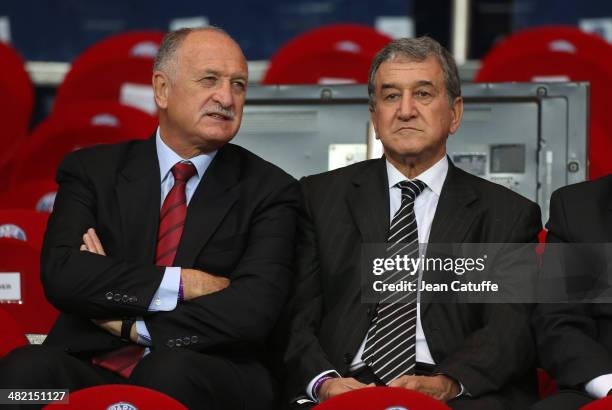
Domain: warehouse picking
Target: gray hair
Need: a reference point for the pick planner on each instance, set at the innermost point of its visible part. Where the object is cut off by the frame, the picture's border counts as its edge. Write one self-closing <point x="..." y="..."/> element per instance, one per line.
<point x="417" y="49"/>
<point x="165" y="59"/>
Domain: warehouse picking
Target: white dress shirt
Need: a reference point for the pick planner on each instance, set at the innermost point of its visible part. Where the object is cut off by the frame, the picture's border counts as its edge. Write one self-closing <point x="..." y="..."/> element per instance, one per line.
<point x="599" y="387"/>
<point x="424" y="210"/>
<point x="166" y="296"/>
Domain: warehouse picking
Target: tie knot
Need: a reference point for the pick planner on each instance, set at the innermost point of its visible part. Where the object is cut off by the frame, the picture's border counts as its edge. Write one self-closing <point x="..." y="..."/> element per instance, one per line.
<point x="411" y="189"/>
<point x="182" y="171"/>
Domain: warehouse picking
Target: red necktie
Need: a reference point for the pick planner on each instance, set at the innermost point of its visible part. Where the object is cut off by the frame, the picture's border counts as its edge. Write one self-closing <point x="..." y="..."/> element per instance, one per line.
<point x="172" y="215"/>
<point x="171" y="222"/>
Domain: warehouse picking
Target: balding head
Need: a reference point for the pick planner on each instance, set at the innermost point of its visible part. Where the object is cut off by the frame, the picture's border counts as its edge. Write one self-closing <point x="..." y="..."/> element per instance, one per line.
<point x="166" y="59"/>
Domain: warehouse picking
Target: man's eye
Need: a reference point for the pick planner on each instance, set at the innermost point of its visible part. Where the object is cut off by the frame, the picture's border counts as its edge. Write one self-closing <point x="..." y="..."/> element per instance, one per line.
<point x="209" y="79"/>
<point x="422" y="93"/>
<point x="239" y="85"/>
<point x="391" y="97"/>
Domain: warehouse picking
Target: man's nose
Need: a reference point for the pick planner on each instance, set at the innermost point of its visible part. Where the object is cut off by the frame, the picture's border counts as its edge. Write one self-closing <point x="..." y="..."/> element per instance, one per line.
<point x="223" y="95"/>
<point x="407" y="108"/>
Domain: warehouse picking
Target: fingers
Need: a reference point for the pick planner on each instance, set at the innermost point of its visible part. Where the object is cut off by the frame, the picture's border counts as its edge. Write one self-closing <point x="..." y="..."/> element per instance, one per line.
<point x="334" y="387"/>
<point x="407" y="382"/>
<point x="92" y="243"/>
<point x="96" y="241"/>
<point x="352" y="383"/>
<point x="89" y="242"/>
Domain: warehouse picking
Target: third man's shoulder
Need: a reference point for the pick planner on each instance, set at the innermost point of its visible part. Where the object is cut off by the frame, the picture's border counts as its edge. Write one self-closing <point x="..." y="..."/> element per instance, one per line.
<point x="585" y="190"/>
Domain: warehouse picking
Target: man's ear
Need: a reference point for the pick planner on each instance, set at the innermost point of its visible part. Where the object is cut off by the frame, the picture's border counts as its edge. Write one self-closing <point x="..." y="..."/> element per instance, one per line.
<point x="161" y="87"/>
<point x="373" y="116"/>
<point x="456" y="114"/>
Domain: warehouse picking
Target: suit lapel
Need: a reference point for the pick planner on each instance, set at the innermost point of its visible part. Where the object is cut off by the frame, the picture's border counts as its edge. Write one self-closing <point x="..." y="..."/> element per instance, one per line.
<point x="454" y="213"/>
<point x="213" y="198"/>
<point x="138" y="195"/>
<point x="368" y="201"/>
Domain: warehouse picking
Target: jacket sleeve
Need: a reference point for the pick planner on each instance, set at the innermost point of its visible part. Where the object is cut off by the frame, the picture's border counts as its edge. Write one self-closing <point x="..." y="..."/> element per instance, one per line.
<point x="566" y="333"/>
<point x="304" y="356"/>
<point x="503" y="348"/>
<point x="80" y="282"/>
<point x="245" y="312"/>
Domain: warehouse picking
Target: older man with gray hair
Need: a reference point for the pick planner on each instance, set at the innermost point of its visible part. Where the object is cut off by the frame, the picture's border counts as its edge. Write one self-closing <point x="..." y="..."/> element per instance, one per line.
<point x="169" y="258"/>
<point x="476" y="356"/>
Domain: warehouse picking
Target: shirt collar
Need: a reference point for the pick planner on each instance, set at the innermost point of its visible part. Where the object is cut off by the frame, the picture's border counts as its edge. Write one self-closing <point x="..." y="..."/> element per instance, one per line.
<point x="168" y="158"/>
<point x="433" y="177"/>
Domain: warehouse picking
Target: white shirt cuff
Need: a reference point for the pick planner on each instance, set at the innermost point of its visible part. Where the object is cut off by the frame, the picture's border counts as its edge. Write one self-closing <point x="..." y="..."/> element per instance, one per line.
<point x="600" y="386"/>
<point x="310" y="388"/>
<point x="463" y="391"/>
<point x="144" y="337"/>
<point x="166" y="297"/>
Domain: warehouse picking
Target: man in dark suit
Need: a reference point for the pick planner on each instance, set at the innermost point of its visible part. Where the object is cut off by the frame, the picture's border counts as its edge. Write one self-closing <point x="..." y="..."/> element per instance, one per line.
<point x="469" y="355"/>
<point x="575" y="339"/>
<point x="179" y="299"/>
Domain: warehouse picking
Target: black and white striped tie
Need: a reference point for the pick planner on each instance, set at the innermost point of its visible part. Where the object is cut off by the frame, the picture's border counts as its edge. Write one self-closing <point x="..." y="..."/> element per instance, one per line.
<point x="390" y="345"/>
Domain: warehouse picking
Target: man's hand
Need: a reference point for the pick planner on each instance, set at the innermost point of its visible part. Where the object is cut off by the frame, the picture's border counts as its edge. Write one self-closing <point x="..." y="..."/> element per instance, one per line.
<point x="198" y="283"/>
<point x="91" y="243"/>
<point x="338" y="385"/>
<point x="440" y="387"/>
<point x="113" y="326"/>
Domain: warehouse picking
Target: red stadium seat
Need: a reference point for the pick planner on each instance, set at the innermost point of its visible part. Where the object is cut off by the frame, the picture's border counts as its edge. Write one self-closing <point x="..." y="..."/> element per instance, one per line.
<point x="382" y="398"/>
<point x="36" y="195"/>
<point x="11" y="333"/>
<point x="561" y="53"/>
<point x="32" y="311"/>
<point x="135" y="44"/>
<point x="118" y="397"/>
<point x="24" y="225"/>
<point x="601" y="404"/>
<point x="109" y="113"/>
<point x="335" y="53"/>
<point x="16" y="103"/>
<point x="77" y="127"/>
<point x="102" y="70"/>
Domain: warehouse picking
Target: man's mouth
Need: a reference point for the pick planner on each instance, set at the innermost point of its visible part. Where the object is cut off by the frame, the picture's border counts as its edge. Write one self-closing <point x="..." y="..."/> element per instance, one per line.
<point x="218" y="116"/>
<point x="408" y="129"/>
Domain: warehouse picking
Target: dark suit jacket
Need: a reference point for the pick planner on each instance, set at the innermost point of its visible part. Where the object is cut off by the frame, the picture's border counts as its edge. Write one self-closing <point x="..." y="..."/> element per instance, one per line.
<point x="575" y="340"/>
<point x="240" y="224"/>
<point x="487" y="347"/>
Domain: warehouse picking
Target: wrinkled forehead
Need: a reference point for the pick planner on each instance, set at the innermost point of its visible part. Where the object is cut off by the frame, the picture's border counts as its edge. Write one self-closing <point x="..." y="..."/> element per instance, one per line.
<point x="212" y="50"/>
<point x="404" y="71"/>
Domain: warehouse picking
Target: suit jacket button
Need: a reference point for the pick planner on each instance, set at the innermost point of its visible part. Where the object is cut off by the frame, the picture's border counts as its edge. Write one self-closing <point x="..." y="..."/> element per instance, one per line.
<point x="170" y="343"/>
<point x="194" y="339"/>
<point x="109" y="295"/>
<point x="125" y="299"/>
<point x="132" y="299"/>
<point x="117" y="297"/>
<point x="178" y="342"/>
<point x="348" y="358"/>
<point x="186" y="341"/>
